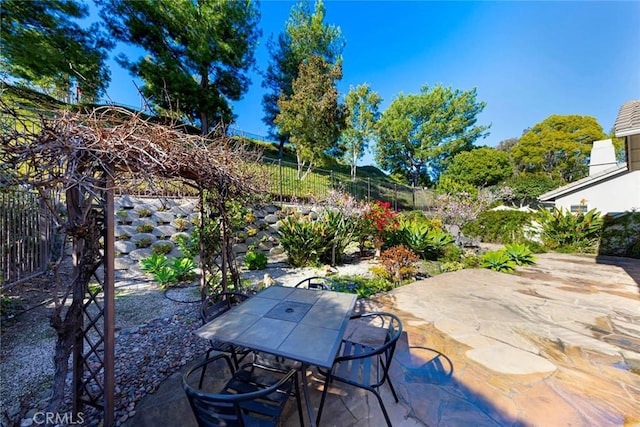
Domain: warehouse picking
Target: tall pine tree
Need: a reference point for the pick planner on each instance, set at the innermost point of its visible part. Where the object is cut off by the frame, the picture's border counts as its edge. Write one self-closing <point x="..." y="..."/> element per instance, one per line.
<point x="199" y="53"/>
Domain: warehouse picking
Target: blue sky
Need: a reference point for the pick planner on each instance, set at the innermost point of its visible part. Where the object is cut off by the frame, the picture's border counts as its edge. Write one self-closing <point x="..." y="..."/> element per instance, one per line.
<point x="527" y="60"/>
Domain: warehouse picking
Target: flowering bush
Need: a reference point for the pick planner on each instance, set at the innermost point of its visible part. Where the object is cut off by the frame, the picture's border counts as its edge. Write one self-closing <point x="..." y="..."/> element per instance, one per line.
<point x="379" y="220"/>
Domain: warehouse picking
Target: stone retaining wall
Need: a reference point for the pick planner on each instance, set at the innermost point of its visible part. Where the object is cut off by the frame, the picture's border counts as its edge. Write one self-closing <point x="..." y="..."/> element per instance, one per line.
<point x="142" y="223"/>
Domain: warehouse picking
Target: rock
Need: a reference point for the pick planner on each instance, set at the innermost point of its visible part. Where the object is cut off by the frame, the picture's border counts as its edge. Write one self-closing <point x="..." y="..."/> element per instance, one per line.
<point x="271" y="219"/>
<point x="164" y="231"/>
<point x="139" y="254"/>
<point x="240" y="248"/>
<point x="124" y="246"/>
<point x="276" y="250"/>
<point x="163" y="218"/>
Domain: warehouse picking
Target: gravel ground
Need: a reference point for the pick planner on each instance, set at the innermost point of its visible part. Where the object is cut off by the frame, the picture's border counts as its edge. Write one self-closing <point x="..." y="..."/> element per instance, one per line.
<point x="153" y="340"/>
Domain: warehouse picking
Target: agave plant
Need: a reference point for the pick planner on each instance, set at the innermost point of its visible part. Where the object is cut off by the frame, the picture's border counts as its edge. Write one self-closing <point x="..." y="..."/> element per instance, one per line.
<point x="424" y="239"/>
<point x="520" y="254"/>
<point x="498" y="261"/>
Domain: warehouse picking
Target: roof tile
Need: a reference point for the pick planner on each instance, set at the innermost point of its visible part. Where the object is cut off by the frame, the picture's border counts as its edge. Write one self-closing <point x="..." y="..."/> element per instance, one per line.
<point x="628" y="121"/>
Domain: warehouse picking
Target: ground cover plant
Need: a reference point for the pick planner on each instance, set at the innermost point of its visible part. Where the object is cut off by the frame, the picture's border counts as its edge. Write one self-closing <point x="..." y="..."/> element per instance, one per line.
<point x="621" y="235"/>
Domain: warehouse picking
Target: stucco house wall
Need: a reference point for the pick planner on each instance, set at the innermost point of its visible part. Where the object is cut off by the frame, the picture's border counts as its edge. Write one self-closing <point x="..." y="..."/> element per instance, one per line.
<point x="619" y="193"/>
<point x="608" y="189"/>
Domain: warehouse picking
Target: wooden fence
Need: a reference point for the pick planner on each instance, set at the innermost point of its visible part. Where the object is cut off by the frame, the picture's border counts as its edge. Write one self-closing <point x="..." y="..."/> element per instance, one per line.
<point x="26" y="236"/>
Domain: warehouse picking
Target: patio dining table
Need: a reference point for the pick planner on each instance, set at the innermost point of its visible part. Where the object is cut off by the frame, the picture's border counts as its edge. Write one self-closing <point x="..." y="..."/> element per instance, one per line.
<point x="299" y="324"/>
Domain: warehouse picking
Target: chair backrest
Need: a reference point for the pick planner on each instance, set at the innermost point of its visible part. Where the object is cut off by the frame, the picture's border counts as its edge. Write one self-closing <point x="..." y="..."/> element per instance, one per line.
<point x="239" y="402"/>
<point x="392" y="326"/>
<point x="216" y="304"/>
<point x="317" y="282"/>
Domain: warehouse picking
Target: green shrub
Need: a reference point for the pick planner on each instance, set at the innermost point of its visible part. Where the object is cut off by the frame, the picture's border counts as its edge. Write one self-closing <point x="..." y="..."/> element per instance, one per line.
<point x="165" y="276"/>
<point x="181" y="224"/>
<point x="153" y="263"/>
<point x="570" y="232"/>
<point x="162" y="248"/>
<point x="189" y="246"/>
<point x="620" y="235"/>
<point x="145" y="228"/>
<point x="399" y="262"/>
<point x="313" y="242"/>
<point x="520" y="254"/>
<point x="362" y="286"/>
<point x="301" y="240"/>
<point x="143" y="213"/>
<point x="123" y="216"/>
<point x="184" y="269"/>
<point x="500" y="226"/>
<point x="452" y="253"/>
<point x="448" y="266"/>
<point x="498" y="261"/>
<point x="255" y="260"/>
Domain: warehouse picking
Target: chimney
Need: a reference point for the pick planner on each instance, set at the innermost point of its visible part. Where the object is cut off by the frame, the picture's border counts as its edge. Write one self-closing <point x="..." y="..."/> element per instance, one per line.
<point x="603" y="156"/>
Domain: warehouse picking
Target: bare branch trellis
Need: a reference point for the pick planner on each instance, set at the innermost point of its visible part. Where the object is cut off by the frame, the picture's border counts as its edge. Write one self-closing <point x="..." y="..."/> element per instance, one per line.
<point x="86" y="155"/>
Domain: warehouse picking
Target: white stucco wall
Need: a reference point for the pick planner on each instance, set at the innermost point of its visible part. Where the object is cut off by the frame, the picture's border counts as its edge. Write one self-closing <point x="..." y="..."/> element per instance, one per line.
<point x="619" y="194"/>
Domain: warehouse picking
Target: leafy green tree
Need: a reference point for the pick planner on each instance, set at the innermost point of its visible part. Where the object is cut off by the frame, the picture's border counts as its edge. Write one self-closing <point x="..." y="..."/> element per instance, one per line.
<point x="507" y="144"/>
<point x="558" y="147"/>
<point x="305" y="34"/>
<point x="312" y="115"/>
<point x="361" y="105"/>
<point x="481" y="167"/>
<point x="420" y="132"/>
<point x="199" y="52"/>
<point x="527" y="187"/>
<point x="43" y="46"/>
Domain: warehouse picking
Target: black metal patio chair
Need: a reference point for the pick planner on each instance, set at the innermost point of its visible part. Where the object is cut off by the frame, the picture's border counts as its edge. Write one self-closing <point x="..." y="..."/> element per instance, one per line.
<point x="215" y="305"/>
<point x="317" y="282"/>
<point x="248" y="396"/>
<point x="366" y="365"/>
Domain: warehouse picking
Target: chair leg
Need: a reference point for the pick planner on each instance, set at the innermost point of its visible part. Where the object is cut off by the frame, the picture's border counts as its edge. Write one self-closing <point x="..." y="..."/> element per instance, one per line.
<point x="327" y="382"/>
<point x="299" y="400"/>
<point x="204" y="368"/>
<point x="384" y="410"/>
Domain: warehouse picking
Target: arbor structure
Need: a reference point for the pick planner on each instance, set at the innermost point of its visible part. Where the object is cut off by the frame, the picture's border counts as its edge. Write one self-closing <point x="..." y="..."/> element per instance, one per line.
<point x="305" y="35"/>
<point x="198" y="53"/>
<point x="481" y="167"/>
<point x="558" y="147"/>
<point x="420" y="132"/>
<point x="362" y="116"/>
<point x="86" y="156"/>
<point x="44" y="46"/>
<point x="312" y="115"/>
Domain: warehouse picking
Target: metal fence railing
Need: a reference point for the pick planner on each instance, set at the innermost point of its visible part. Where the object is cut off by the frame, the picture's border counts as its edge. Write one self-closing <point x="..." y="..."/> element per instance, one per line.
<point x="286" y="186"/>
<point x="26" y="236"/>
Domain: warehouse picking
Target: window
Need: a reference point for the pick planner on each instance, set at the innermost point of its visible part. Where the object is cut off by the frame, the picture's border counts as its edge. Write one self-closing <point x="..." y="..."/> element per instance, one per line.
<point x="579" y="208"/>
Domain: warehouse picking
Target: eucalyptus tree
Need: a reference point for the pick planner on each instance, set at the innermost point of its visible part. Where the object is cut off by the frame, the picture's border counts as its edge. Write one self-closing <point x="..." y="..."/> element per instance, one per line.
<point x="198" y="53"/>
<point x="44" y="46"/>
<point x="558" y="147"/>
<point x="362" y="115"/>
<point x="305" y="34"/>
<point x="312" y="115"/>
<point x="419" y="133"/>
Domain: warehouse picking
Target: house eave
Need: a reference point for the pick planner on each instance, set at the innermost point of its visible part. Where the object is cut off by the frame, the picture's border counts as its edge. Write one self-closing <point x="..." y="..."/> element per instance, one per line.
<point x="628" y="132"/>
<point x="552" y="195"/>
